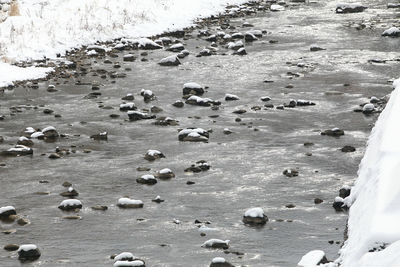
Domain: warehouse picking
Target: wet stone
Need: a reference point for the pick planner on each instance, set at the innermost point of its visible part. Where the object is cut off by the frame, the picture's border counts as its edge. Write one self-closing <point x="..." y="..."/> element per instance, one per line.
<point x="348" y="149"/>
<point x="335" y="132"/>
<point x="11" y="247"/>
<point x="291" y="173"/>
<point x="100" y="208"/>
<point x="28" y="252"/>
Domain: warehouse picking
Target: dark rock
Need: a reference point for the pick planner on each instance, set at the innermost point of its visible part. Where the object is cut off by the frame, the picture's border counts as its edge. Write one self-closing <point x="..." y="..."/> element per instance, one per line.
<point x="137" y="115"/>
<point x="349" y="8"/>
<point x="28" y="253"/>
<point x="318" y="201"/>
<point x="200" y="166"/>
<point x="129" y="58"/>
<point x="101" y="136"/>
<point x="344" y="191"/>
<point x="147" y="179"/>
<point x="6" y="212"/>
<point x="11" y="247"/>
<point x="101" y="208"/>
<point x="336" y="132"/>
<point x="152" y="155"/>
<point x="347" y="149"/>
<point x="291" y="173"/>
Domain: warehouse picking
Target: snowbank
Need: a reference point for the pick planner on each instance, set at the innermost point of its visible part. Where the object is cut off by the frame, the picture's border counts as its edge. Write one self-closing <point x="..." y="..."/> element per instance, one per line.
<point x="47" y="28"/>
<point x="374" y="216"/>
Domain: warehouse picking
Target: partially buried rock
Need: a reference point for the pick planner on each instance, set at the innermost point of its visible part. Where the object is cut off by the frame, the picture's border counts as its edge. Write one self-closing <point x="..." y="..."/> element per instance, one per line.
<point x="128" y="203"/>
<point x="313" y="258"/>
<point x="6" y="211"/>
<point x="220" y="262"/>
<point x="368" y="108"/>
<point x="241" y="52"/>
<point x="101" y="136"/>
<point x="216" y="243"/>
<point x="128" y="97"/>
<point x="170" y="61"/>
<point x="255" y="216"/>
<point x="158" y="199"/>
<point x="192" y="89"/>
<point x="315" y="48"/>
<point x="193" y="135"/>
<point x="176" y="47"/>
<point x="147" y="179"/>
<point x="70" y="204"/>
<point x="100" y="207"/>
<point x="339" y="205"/>
<point x="165" y="173"/>
<point x="28" y="252"/>
<point x="137" y="115"/>
<point x="129" y="58"/>
<point x="335" y="132"/>
<point x="291" y="172"/>
<point x="344" y="191"/>
<point x="124" y="256"/>
<point x="152" y="155"/>
<point x="147" y="44"/>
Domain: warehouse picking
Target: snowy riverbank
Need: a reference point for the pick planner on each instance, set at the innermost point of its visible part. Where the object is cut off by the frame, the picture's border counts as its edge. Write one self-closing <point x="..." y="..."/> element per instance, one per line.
<point x="374" y="235"/>
<point x="47" y="28"/>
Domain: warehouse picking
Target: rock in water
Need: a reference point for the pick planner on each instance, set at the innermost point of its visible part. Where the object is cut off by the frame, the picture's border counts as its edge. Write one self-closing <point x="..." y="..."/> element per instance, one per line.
<point x="313" y="258"/>
<point x="28" y="252"/>
<point x="5" y="212"/>
<point x="220" y="262"/>
<point x="255" y="216"/>
<point x="147" y="179"/>
<point x="170" y="61"/>
<point x="70" y="204"/>
<point x="193" y="135"/>
<point x="128" y="203"/>
<point x="152" y="155"/>
<point x="343" y="8"/>
<point x="216" y="243"/>
<point x="192" y="89"/>
<point x="392" y="32"/>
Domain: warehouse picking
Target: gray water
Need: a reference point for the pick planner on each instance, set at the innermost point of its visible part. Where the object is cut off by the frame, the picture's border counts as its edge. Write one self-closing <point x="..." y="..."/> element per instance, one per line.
<point x="246" y="167"/>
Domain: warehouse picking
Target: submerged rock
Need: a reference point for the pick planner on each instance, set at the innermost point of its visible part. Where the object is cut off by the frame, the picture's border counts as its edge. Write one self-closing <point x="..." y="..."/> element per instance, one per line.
<point x="291" y="172"/>
<point x="255" y="216"/>
<point x="200" y="166"/>
<point x="101" y="136"/>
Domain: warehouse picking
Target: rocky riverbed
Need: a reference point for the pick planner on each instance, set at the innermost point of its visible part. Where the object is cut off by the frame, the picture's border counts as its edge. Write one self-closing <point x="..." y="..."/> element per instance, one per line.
<point x="164" y="144"/>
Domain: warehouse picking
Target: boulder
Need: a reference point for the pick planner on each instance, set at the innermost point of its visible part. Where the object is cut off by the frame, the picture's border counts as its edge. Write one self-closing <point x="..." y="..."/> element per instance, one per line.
<point x="335" y="132"/>
<point x="255" y="216"/>
<point x="291" y="172"/>
<point x="128" y="203"/>
<point x="148" y="95"/>
<point x="6" y="211"/>
<point x="343" y="8"/>
<point x="165" y="173"/>
<point x="127" y="106"/>
<point x="28" y="252"/>
<point x="220" y="262"/>
<point x="137" y="115"/>
<point x="199" y="101"/>
<point x="176" y="47"/>
<point x="192" y="88"/>
<point x="16" y="151"/>
<point x="392" y="32"/>
<point x="169" y="61"/>
<point x="216" y="243"/>
<point x="152" y="155"/>
<point x="193" y="135"/>
<point x="101" y="136"/>
<point x="70" y="204"/>
<point x="147" y="179"/>
<point x="313" y="258"/>
<point x="147" y="44"/>
<point x="24" y="141"/>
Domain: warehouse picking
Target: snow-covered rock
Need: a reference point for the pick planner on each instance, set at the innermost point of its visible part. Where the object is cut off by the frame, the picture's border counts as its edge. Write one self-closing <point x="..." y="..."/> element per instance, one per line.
<point x="392" y="32"/>
<point x="368" y="108"/>
<point x="50" y="132"/>
<point x="165" y="173"/>
<point x="148" y="95"/>
<point x="216" y="243"/>
<point x="255" y="216"/>
<point x="170" y="61"/>
<point x="6" y="211"/>
<point x="134" y="115"/>
<point x="192" y="88"/>
<point x="235" y="45"/>
<point x="276" y="7"/>
<point x="70" y="204"/>
<point x="135" y="263"/>
<point x="129" y="58"/>
<point x="336" y="132"/>
<point x="147" y="44"/>
<point x="231" y="97"/>
<point x="220" y="262"/>
<point x="17" y="150"/>
<point x="313" y="259"/>
<point x="193" y="135"/>
<point x="125" y="202"/>
<point x="127" y="106"/>
<point x="124" y="256"/>
<point x="28" y="252"/>
<point x="350" y="8"/>
<point x="200" y="101"/>
<point x="176" y="47"/>
<point x="152" y="155"/>
<point x="147" y="179"/>
<point x="24" y="141"/>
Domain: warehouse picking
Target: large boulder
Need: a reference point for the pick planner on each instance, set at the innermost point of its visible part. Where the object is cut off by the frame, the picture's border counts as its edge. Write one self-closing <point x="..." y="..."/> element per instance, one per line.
<point x="392" y="32"/>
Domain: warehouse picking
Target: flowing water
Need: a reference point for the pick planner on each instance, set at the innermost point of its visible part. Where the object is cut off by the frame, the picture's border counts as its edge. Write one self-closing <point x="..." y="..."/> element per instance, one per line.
<point x="247" y="165"/>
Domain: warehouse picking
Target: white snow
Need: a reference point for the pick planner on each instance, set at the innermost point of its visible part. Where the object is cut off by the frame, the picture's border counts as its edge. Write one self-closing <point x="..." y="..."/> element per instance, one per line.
<point x="47" y="28"/>
<point x="218" y="260"/>
<point x="70" y="202"/>
<point x="192" y="85"/>
<point x="148" y="177"/>
<point x="165" y="171"/>
<point x="22" y="138"/>
<point x="19" y="148"/>
<point x="128" y="201"/>
<point x="6" y="208"/>
<point x="153" y="152"/>
<point x="211" y="242"/>
<point x="124" y="255"/>
<point x="134" y="263"/>
<point x="168" y="59"/>
<point x="276" y="7"/>
<point x="27" y="247"/>
<point x="30" y="130"/>
<point x="391" y="31"/>
<point x="10" y="73"/>
<point x="48" y="128"/>
<point x="37" y="134"/>
<point x="311" y="259"/>
<point x="254" y="213"/>
<point x="374" y="215"/>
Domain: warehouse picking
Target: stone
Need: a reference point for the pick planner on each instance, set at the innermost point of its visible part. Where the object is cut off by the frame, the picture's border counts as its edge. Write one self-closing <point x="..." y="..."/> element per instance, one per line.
<point x="147" y="179"/>
<point x="16" y="151"/>
<point x="170" y="61"/>
<point x="127" y="203"/>
<point x="28" y="252"/>
<point x="137" y="115"/>
<point x="220" y="262"/>
<point x="11" y="247"/>
<point x="165" y="173"/>
<point x="392" y="32"/>
<point x="6" y="212"/>
<point x="178" y="104"/>
<point x="216" y="243"/>
<point x="335" y="132"/>
<point x="318" y="201"/>
<point x="129" y="58"/>
<point x="348" y="149"/>
<point x="291" y="173"/>
<point x="343" y="8"/>
<point x="152" y="155"/>
<point x="101" y="136"/>
<point x="70" y="205"/>
<point x="255" y="216"/>
<point x="101" y="208"/>
<point x="193" y="135"/>
<point x="344" y="191"/>
<point x="192" y="88"/>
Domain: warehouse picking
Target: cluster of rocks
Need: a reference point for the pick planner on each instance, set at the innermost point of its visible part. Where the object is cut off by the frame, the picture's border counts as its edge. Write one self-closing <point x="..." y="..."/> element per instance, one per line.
<point x="193" y="135"/>
<point x="339" y="203"/>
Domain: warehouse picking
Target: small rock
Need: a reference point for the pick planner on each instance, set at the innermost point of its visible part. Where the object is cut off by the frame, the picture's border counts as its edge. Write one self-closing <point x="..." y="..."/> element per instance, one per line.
<point x="336" y="132"/>
<point x="216" y="243"/>
<point x="255" y="216"/>
<point x="158" y="199"/>
<point x="347" y="149"/>
<point x="152" y="155"/>
<point x="101" y="208"/>
<point x="11" y="247"/>
<point x="147" y="179"/>
<point x="129" y="203"/>
<point x="291" y="172"/>
<point x="101" y="136"/>
<point x="318" y="201"/>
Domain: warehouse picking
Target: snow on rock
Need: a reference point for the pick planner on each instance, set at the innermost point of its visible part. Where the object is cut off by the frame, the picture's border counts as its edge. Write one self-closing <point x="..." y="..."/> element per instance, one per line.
<point x="276" y="7"/>
<point x="16" y="151"/>
<point x="192" y="89"/>
<point x="176" y="47"/>
<point x="147" y="44"/>
<point x="147" y="179"/>
<point x="255" y="216"/>
<point x="6" y="211"/>
<point x="137" y="115"/>
<point x="220" y="262"/>
<point x="28" y="252"/>
<point x="70" y="204"/>
<point x="375" y="211"/>
<point x="10" y="73"/>
<point x="216" y="243"/>
<point x="193" y="135"/>
<point x="135" y="263"/>
<point x="235" y="45"/>
<point x="152" y="155"/>
<point x="125" y="202"/>
<point x="313" y="259"/>
<point x="124" y="256"/>
<point x="127" y="106"/>
<point x="200" y="101"/>
<point x="350" y="8"/>
<point x="392" y="32"/>
<point x="231" y="97"/>
<point x="170" y="61"/>
<point x="165" y="173"/>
